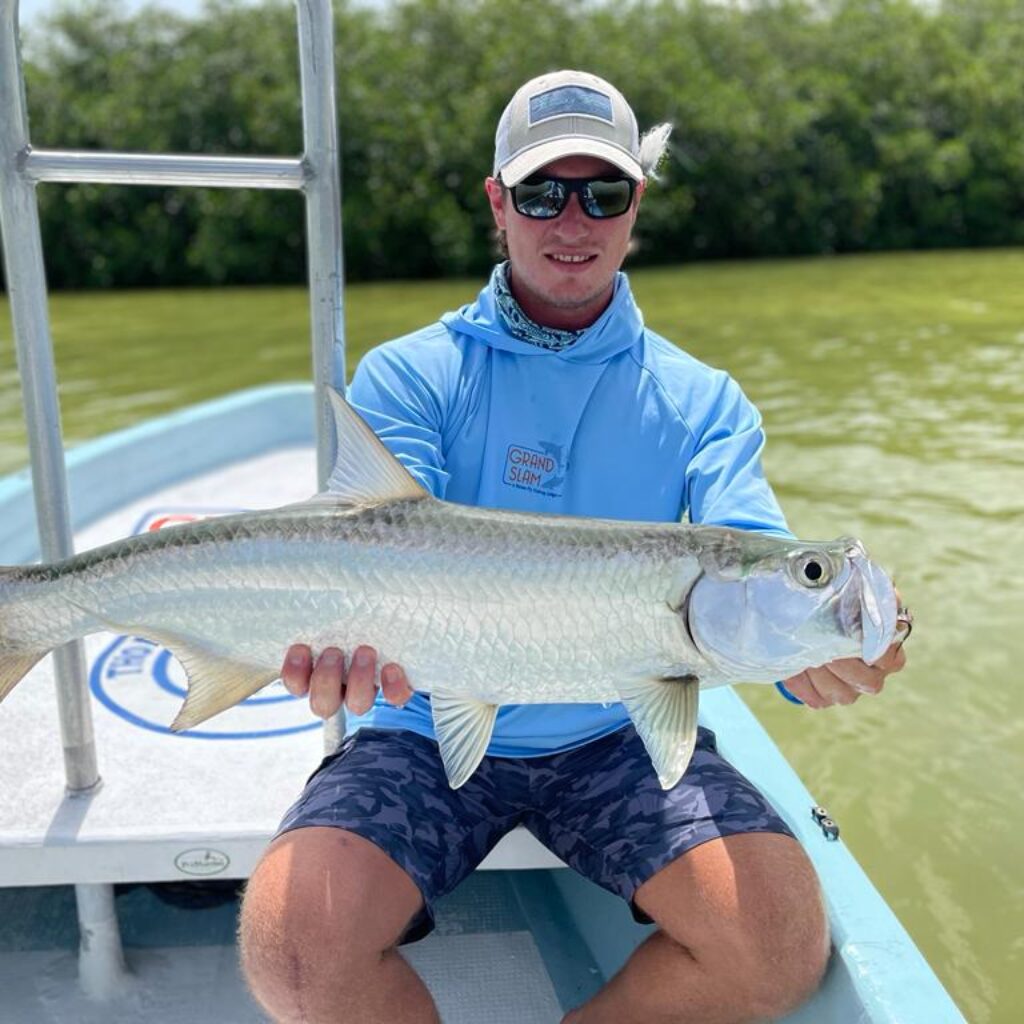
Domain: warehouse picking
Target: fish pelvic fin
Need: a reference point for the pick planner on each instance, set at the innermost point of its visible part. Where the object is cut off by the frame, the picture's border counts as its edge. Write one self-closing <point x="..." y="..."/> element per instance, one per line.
<point x="463" y="728"/>
<point x="365" y="472"/>
<point x="664" y="712"/>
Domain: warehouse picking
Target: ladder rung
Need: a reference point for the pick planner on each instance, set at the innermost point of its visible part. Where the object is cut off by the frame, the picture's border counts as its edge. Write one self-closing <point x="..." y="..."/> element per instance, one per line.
<point x="163" y="169"/>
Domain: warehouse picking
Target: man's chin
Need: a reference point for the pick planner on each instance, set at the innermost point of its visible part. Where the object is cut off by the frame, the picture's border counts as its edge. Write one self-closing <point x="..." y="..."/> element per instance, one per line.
<point x="578" y="295"/>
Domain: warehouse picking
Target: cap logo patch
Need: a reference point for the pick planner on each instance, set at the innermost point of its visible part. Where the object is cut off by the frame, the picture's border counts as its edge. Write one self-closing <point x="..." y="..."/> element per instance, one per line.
<point x="570" y="99"/>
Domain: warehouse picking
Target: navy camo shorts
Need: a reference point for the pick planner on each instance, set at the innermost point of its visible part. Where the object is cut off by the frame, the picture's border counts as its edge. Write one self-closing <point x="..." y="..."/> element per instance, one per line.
<point x="598" y="807"/>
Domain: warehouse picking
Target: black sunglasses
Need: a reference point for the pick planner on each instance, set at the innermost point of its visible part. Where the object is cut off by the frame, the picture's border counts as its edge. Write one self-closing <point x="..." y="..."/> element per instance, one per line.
<point x="545" y="197"/>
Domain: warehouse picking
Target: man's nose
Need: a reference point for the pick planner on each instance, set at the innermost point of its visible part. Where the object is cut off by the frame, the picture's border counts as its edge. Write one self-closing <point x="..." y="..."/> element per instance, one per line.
<point x="572" y="222"/>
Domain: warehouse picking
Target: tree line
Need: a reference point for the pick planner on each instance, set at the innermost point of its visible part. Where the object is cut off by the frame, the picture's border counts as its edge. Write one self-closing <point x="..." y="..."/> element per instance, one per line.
<point x="801" y="126"/>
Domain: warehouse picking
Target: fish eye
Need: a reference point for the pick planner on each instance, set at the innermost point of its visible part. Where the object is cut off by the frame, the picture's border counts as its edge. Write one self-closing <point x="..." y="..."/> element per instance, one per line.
<point x="812" y="569"/>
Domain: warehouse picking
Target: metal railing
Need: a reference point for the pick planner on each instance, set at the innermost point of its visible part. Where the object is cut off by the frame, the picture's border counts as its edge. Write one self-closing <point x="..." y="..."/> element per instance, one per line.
<point x="22" y="168"/>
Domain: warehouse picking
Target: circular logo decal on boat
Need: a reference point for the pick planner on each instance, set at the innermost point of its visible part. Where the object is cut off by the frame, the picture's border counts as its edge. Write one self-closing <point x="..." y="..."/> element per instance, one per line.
<point x="202" y="862"/>
<point x="143" y="683"/>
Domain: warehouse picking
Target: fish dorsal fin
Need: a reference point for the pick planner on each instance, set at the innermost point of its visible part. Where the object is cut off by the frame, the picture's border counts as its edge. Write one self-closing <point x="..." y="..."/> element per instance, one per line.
<point x="365" y="472"/>
<point x="463" y="728"/>
<point x="664" y="712"/>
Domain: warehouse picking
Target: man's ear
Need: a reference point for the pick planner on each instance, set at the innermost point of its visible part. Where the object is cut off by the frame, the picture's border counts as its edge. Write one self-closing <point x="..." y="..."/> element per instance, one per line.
<point x="496" y="197"/>
<point x="641" y="187"/>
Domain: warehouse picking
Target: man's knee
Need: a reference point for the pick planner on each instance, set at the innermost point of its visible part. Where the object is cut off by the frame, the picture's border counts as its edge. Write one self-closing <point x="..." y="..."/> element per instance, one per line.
<point x="749" y="910"/>
<point x="320" y="908"/>
<point x="786" y="933"/>
<point x="784" y="964"/>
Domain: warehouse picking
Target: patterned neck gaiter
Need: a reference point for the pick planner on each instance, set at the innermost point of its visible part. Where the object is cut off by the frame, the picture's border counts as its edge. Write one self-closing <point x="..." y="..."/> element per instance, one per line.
<point x="521" y="325"/>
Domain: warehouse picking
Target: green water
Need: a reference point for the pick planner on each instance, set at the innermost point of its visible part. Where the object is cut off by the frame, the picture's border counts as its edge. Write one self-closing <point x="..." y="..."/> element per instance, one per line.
<point x="893" y="394"/>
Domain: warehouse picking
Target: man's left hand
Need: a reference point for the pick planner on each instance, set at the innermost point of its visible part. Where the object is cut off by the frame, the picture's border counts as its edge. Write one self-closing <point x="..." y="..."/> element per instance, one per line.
<point x="844" y="680"/>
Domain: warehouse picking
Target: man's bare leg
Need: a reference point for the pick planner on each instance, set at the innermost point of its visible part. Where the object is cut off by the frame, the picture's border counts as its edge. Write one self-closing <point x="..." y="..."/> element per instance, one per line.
<point x="742" y="936"/>
<point x="320" y="919"/>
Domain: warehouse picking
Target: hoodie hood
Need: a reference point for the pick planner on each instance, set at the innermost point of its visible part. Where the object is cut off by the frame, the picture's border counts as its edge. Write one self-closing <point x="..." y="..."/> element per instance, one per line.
<point x="619" y="327"/>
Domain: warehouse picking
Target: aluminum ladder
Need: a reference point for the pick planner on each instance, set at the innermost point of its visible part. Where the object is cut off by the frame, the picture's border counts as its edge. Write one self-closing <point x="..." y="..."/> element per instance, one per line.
<point x="316" y="175"/>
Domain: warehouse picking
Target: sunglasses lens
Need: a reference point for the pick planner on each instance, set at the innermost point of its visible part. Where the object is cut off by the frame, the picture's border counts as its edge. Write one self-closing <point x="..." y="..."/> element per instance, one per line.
<point x="539" y="197"/>
<point x="544" y="198"/>
<point x="608" y="197"/>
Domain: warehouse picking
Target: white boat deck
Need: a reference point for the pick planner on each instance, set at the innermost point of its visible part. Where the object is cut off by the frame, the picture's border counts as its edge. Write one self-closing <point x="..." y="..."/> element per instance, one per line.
<point x="482" y="963"/>
<point x="170" y="806"/>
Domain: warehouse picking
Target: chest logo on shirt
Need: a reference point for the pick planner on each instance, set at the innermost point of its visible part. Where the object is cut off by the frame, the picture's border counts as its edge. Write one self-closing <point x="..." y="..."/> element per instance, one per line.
<point x="541" y="469"/>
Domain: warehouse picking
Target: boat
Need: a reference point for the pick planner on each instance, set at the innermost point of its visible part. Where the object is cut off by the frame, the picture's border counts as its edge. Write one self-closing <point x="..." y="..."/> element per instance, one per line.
<point x="123" y="847"/>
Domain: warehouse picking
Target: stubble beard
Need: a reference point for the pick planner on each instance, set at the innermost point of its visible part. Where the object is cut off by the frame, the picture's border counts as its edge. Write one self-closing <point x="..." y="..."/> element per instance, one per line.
<point x="598" y="295"/>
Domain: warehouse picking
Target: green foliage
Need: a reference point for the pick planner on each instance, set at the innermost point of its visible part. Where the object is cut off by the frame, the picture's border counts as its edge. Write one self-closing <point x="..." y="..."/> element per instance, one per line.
<point x="800" y="127"/>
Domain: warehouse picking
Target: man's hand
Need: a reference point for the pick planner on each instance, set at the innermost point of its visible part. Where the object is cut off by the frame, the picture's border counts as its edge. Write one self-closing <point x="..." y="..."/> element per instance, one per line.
<point x="329" y="684"/>
<point x="844" y="680"/>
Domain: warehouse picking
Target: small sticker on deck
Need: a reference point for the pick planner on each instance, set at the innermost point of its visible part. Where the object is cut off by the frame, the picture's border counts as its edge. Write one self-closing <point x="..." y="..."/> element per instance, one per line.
<point x="202" y="862"/>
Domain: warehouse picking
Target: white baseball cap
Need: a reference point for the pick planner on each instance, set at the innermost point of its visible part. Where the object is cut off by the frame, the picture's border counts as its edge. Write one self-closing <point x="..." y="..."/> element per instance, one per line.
<point x="565" y="113"/>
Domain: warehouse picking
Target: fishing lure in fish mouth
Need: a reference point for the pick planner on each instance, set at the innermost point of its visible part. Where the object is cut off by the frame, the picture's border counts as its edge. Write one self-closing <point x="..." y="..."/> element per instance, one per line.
<point x="904" y="625"/>
<point x="482" y="607"/>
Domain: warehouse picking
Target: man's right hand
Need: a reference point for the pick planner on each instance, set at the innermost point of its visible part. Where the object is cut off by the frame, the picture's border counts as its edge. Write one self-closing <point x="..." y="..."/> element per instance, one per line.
<point x="329" y="684"/>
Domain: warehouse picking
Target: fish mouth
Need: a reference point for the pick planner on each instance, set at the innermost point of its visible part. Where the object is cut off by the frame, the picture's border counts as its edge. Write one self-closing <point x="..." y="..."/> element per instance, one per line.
<point x="868" y="606"/>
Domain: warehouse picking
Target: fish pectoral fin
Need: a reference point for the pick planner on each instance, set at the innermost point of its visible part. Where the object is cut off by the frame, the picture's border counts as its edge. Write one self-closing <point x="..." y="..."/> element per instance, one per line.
<point x="216" y="682"/>
<point x="664" y="712"/>
<point x="463" y="728"/>
<point x="364" y="470"/>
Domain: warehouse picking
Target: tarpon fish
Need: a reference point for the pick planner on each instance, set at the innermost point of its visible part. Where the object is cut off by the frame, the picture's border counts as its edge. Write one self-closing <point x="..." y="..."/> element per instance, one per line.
<point x="482" y="607"/>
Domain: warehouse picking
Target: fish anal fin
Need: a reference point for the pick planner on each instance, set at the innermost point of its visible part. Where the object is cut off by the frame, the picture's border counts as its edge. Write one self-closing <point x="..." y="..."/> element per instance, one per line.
<point x="216" y="681"/>
<point x="664" y="712"/>
<point x="14" y="666"/>
<point x="463" y="729"/>
<point x="364" y="470"/>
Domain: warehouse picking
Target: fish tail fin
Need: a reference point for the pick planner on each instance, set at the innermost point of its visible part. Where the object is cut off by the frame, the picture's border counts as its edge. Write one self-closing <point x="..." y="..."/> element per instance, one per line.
<point x="15" y="659"/>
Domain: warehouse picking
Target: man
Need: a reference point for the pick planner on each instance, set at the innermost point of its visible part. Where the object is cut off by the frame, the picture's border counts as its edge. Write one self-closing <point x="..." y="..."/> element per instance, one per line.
<point x="547" y="394"/>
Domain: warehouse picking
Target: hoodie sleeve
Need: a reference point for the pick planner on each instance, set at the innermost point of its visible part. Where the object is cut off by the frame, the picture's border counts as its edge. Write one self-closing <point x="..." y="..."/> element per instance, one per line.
<point x="725" y="482"/>
<point x="402" y="398"/>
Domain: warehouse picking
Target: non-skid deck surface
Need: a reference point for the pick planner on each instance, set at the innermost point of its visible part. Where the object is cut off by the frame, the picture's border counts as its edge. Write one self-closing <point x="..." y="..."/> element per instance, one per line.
<point x="482" y="963"/>
<point x="230" y="780"/>
<point x="199" y="804"/>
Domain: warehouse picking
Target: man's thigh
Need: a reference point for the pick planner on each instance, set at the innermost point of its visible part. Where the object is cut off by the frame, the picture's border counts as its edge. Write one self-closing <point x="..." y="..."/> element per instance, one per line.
<point x="750" y="898"/>
<point x="389" y="787"/>
<point x="602" y="809"/>
<point x="316" y="887"/>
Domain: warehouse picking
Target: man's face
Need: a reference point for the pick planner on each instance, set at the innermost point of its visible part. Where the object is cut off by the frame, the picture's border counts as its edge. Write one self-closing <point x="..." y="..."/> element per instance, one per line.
<point x="563" y="269"/>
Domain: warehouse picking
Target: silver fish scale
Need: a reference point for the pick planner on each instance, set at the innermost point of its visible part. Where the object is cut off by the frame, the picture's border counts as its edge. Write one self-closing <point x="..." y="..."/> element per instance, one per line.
<point x="501" y="606"/>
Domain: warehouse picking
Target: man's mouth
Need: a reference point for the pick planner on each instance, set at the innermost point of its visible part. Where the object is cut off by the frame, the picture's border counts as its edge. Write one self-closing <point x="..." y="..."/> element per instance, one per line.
<point x="570" y="258"/>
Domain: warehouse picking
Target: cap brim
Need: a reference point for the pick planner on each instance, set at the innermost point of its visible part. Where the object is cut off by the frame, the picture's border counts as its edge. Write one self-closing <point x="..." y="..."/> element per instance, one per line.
<point x="544" y="153"/>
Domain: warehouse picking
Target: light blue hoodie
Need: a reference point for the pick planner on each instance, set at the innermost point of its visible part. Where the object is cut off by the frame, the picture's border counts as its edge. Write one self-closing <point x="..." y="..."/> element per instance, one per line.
<point x="621" y="425"/>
